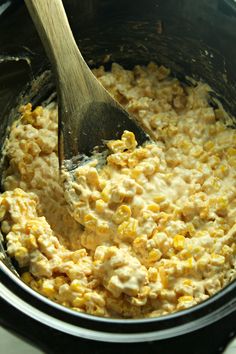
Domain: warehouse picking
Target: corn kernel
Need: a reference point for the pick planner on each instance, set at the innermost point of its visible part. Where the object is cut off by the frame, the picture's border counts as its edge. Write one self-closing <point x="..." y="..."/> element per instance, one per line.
<point x="128" y="230"/>
<point x="59" y="281"/>
<point x="154" y="208"/>
<point x="187" y="282"/>
<point x="179" y="242"/>
<point x="5" y="227"/>
<point x="222" y="203"/>
<point x="185" y="145"/>
<point x="163" y="72"/>
<point x="116" y="146"/>
<point x="197" y="151"/>
<point x="105" y="195"/>
<point x="78" y="254"/>
<point x="102" y="228"/>
<point x="209" y="145"/>
<point x="152" y="274"/>
<point x="190" y="229"/>
<point x="93" y="178"/>
<point x="232" y="161"/>
<point x="159" y="198"/>
<point x="154" y="255"/>
<point x="135" y="173"/>
<point x="163" y="276"/>
<point x="185" y="298"/>
<point x="140" y="242"/>
<point x="38" y="111"/>
<point x="26" y="107"/>
<point x="21" y="252"/>
<point x="26" y="277"/>
<point x="79" y="301"/>
<point x="217" y="259"/>
<point x="100" y="206"/>
<point x="34" y="285"/>
<point x="90" y="221"/>
<point x="189" y="263"/>
<point x="221" y="171"/>
<point x="123" y="213"/>
<point x="76" y="285"/>
<point x="214" y="161"/>
<point x="31" y="242"/>
<point x="129" y="139"/>
<point x="231" y="151"/>
<point x="47" y="288"/>
<point x="226" y="251"/>
<point x="3" y="211"/>
<point x="205" y="212"/>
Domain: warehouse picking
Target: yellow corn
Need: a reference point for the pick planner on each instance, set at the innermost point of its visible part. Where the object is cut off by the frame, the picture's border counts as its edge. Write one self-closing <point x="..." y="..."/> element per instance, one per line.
<point x="185" y="298"/>
<point x="102" y="228"/>
<point x="60" y="280"/>
<point x="100" y="206"/>
<point x="231" y="151"/>
<point x="27" y="107"/>
<point x="140" y="242"/>
<point x="128" y="230"/>
<point x="38" y="111"/>
<point x="5" y="227"/>
<point x="226" y="251"/>
<point x="217" y="259"/>
<point x="31" y="242"/>
<point x="163" y="72"/>
<point x="197" y="151"/>
<point x="179" y="242"/>
<point x="21" y="252"/>
<point x="155" y="208"/>
<point x="3" y="211"/>
<point x="159" y="198"/>
<point x="116" y="146"/>
<point x="209" y="145"/>
<point x="26" y="277"/>
<point x="205" y="212"/>
<point x="185" y="145"/>
<point x="190" y="229"/>
<point x="152" y="274"/>
<point x="154" y="255"/>
<point x="78" y="301"/>
<point x="105" y="195"/>
<point x="163" y="276"/>
<point x="214" y="161"/>
<point x="123" y="213"/>
<point x="129" y="139"/>
<point x="47" y="289"/>
<point x="189" y="263"/>
<point x="90" y="221"/>
<point x="187" y="282"/>
<point x="222" y="203"/>
<point x="221" y="171"/>
<point x="93" y="178"/>
<point x="232" y="161"/>
<point x="75" y="285"/>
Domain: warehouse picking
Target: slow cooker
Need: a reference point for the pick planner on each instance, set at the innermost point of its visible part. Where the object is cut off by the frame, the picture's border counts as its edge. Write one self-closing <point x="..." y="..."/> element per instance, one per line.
<point x="195" y="39"/>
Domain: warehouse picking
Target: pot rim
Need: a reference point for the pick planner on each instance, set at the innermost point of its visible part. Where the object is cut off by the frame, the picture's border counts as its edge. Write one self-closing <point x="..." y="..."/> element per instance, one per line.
<point x="99" y="328"/>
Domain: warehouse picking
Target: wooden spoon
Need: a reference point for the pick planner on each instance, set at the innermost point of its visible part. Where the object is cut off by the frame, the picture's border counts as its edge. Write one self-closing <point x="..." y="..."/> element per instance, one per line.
<point x="88" y="114"/>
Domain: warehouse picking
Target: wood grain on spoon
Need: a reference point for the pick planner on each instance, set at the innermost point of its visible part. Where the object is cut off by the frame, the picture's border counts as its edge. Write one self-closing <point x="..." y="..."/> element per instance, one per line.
<point x="87" y="113"/>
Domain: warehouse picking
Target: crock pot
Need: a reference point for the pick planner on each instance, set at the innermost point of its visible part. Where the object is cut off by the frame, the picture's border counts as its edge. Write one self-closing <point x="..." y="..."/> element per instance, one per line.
<point x="195" y="39"/>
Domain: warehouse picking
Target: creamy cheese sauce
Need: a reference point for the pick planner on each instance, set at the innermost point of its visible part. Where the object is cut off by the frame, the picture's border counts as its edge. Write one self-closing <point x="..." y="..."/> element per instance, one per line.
<point x="150" y="233"/>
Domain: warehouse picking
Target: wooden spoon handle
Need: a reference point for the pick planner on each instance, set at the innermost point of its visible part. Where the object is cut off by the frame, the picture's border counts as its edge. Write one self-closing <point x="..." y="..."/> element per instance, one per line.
<point x="53" y="27"/>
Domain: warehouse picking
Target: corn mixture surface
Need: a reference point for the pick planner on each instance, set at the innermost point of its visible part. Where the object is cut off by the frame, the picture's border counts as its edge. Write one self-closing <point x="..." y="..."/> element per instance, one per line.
<point x="151" y="232"/>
